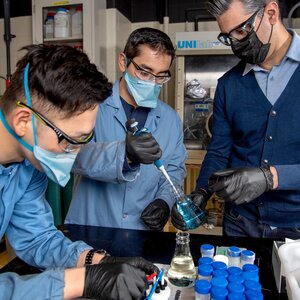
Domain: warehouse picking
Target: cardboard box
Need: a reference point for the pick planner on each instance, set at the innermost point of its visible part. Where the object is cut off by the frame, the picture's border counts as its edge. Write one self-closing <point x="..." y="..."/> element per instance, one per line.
<point x="277" y="268"/>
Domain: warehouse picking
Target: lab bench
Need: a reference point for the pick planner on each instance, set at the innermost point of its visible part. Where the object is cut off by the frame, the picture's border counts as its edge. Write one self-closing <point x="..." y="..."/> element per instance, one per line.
<point x="159" y="247"/>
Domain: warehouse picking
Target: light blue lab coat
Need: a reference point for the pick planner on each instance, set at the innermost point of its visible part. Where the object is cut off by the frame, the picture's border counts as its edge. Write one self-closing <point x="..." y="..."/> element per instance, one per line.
<point x="105" y="195"/>
<point x="27" y="220"/>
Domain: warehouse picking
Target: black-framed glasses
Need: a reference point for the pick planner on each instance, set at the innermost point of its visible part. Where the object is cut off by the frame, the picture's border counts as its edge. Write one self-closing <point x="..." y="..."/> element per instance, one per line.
<point x="66" y="143"/>
<point x="239" y="32"/>
<point x="148" y="76"/>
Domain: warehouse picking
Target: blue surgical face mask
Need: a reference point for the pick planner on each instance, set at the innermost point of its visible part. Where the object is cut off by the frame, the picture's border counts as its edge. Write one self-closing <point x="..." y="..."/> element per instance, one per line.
<point x="57" y="166"/>
<point x="144" y="93"/>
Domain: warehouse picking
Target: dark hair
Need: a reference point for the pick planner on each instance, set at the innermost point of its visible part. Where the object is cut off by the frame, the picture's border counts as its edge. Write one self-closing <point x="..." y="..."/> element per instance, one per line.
<point x="60" y="77"/>
<point x="218" y="7"/>
<point x="153" y="38"/>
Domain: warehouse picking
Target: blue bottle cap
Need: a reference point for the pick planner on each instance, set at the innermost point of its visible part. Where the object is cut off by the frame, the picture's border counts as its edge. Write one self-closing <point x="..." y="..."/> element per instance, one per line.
<point x="220" y="273"/>
<point x="236" y="279"/>
<point x="233" y="251"/>
<point x="205" y="261"/>
<point x="234" y="296"/>
<point x="246" y="254"/>
<point x="250" y="276"/>
<point x="207" y="248"/>
<point x="254" y="295"/>
<point x="234" y="270"/>
<point x="205" y="270"/>
<point x="251" y="285"/>
<point x="218" y="293"/>
<point x="219" y="282"/>
<point x="202" y="286"/>
<point x="236" y="288"/>
<point x="250" y="268"/>
<point x="219" y="265"/>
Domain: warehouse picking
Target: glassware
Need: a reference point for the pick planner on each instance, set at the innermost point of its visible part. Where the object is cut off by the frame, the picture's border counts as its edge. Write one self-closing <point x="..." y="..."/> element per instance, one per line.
<point x="182" y="271"/>
<point x="192" y="215"/>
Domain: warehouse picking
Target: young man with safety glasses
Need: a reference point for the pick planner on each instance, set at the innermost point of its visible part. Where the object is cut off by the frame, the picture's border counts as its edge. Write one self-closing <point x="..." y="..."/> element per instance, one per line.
<point x="253" y="159"/>
<point x="132" y="193"/>
<point x="46" y="114"/>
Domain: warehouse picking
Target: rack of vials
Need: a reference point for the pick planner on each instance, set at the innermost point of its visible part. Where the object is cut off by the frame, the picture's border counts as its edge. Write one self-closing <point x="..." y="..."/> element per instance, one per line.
<point x="229" y="276"/>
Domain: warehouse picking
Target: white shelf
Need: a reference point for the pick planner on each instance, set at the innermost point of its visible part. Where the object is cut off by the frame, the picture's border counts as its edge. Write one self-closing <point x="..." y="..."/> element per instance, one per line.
<point x="64" y="39"/>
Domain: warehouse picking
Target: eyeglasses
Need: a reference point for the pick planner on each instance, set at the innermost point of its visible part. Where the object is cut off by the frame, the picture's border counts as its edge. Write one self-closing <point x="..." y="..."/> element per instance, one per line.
<point x="148" y="76"/>
<point x="239" y="32"/>
<point x="66" y="143"/>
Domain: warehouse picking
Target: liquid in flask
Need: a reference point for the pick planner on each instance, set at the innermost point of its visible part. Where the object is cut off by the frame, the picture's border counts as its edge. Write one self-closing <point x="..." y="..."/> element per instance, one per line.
<point x="192" y="215"/>
<point x="182" y="271"/>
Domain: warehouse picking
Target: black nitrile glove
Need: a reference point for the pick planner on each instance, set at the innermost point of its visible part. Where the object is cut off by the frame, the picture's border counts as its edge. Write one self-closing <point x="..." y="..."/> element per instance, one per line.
<point x="199" y="197"/>
<point x="114" y="281"/>
<point x="156" y="214"/>
<point x="142" y="148"/>
<point x="241" y="185"/>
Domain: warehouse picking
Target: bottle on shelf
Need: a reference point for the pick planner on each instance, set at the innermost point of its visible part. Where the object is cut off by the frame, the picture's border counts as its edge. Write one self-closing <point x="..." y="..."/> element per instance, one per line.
<point x="49" y="26"/>
<point x="77" y="25"/>
<point x="62" y="23"/>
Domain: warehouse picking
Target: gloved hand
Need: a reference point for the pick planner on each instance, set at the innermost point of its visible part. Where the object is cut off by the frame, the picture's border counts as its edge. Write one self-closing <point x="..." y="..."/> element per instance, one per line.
<point x="118" y="278"/>
<point x="241" y="185"/>
<point x="199" y="197"/>
<point x="142" y="148"/>
<point x="156" y="214"/>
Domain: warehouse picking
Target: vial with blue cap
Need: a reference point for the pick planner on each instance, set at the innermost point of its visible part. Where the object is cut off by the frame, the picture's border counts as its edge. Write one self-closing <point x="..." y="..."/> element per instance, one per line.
<point x="219" y="282"/>
<point x="250" y="276"/>
<point x="251" y="285"/>
<point x="234" y="254"/>
<point x="250" y="268"/>
<point x="219" y="265"/>
<point x="202" y="290"/>
<point x="236" y="279"/>
<point x="220" y="273"/>
<point x="207" y="250"/>
<point x="234" y="271"/>
<point x="247" y="257"/>
<point x="205" y="272"/>
<point x="205" y="261"/>
<point x="218" y="293"/>
<point x="236" y="288"/>
<point x="234" y="296"/>
<point x="254" y="295"/>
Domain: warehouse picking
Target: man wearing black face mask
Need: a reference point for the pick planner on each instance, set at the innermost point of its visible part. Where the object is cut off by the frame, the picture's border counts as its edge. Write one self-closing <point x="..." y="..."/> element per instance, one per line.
<point x="253" y="160"/>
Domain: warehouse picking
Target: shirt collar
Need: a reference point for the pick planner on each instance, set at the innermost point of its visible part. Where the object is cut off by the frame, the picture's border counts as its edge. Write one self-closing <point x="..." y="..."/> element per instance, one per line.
<point x="293" y="53"/>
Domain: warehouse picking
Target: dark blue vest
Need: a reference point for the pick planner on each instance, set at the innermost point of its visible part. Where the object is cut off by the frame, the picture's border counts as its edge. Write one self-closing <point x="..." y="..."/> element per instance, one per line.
<point x="257" y="132"/>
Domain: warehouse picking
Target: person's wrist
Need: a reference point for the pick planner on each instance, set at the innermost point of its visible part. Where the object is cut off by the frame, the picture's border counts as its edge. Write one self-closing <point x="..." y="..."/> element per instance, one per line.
<point x="95" y="256"/>
<point x="266" y="169"/>
<point x="275" y="177"/>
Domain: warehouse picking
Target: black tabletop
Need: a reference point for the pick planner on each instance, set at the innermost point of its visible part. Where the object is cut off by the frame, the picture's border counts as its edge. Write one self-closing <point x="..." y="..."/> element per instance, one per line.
<point x="159" y="247"/>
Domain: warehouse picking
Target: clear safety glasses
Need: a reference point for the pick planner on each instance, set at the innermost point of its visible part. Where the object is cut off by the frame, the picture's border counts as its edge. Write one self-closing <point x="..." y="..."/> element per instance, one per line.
<point x="66" y="143"/>
<point x="239" y="32"/>
<point x="148" y="76"/>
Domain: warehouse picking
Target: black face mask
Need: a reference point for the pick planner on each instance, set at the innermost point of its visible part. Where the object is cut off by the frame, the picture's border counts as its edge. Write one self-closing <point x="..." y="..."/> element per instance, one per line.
<point x="251" y="49"/>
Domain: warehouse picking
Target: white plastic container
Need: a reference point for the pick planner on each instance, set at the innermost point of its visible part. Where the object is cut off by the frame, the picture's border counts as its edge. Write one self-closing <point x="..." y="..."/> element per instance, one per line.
<point x="77" y="25"/>
<point x="289" y="254"/>
<point x="62" y="23"/>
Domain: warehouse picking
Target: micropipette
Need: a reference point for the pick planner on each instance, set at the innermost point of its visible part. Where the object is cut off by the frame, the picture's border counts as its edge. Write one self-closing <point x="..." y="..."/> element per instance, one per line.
<point x="131" y="125"/>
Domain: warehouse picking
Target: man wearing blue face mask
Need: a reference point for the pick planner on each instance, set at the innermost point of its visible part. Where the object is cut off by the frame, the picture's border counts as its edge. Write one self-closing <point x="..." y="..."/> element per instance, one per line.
<point x="253" y="159"/>
<point x="132" y="193"/>
<point x="47" y="113"/>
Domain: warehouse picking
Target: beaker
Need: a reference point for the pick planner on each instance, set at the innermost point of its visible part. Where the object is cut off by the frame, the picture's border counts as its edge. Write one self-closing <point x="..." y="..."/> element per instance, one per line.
<point x="192" y="215"/>
<point x="182" y="271"/>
